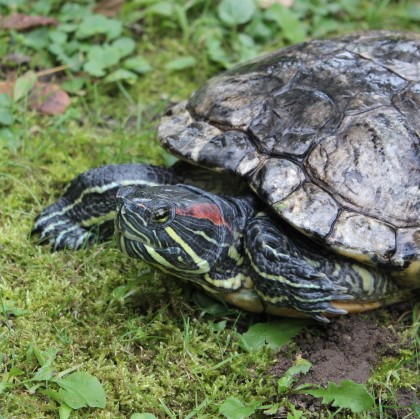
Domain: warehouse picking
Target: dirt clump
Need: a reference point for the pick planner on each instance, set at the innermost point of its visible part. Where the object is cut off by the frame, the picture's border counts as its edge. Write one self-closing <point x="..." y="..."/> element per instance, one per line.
<point x="351" y="347"/>
<point x="346" y="349"/>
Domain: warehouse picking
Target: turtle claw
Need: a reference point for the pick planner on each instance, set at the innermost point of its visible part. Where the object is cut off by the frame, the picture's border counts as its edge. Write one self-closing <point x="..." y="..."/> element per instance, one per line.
<point x="340" y="289"/>
<point x="54" y="227"/>
<point x="320" y="318"/>
<point x="342" y="297"/>
<point x="331" y="310"/>
<point x="336" y="311"/>
<point x="61" y="234"/>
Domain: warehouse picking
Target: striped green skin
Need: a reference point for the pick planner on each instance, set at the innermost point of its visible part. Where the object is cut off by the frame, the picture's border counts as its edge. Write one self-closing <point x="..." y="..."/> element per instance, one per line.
<point x="223" y="244"/>
<point x="185" y="244"/>
<point x="85" y="213"/>
<point x="229" y="248"/>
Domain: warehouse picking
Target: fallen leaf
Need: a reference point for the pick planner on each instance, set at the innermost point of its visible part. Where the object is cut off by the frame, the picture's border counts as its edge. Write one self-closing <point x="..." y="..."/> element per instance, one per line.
<point x="48" y="98"/>
<point x="16" y="58"/>
<point x="21" y="22"/>
<point x="7" y="87"/>
<point x="109" y="8"/>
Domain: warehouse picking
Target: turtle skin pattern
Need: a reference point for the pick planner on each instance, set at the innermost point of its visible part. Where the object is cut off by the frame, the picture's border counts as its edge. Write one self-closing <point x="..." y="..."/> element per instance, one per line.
<point x="326" y="133"/>
<point x="240" y="254"/>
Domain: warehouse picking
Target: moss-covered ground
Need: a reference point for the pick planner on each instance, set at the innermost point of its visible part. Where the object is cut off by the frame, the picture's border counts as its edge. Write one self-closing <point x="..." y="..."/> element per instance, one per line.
<point x="138" y="332"/>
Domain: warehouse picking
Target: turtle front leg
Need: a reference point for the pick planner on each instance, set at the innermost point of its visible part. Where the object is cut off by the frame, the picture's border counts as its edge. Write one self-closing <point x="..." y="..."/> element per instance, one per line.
<point x="84" y="214"/>
<point x="283" y="276"/>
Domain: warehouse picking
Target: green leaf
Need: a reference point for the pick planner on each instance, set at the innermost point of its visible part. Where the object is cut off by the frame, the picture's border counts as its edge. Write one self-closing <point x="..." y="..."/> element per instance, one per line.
<point x="74" y="85"/>
<point x="293" y="28"/>
<point x="232" y="13"/>
<point x="246" y="47"/>
<point x="413" y="13"/>
<point x="74" y="62"/>
<point x="64" y="411"/>
<point x="123" y="292"/>
<point x="271" y="410"/>
<point x="44" y="373"/>
<point x="301" y="366"/>
<point x="6" y="117"/>
<point x="209" y="305"/>
<point x="46" y="359"/>
<point x="4" y="100"/>
<point x="10" y="138"/>
<point x="68" y="27"/>
<point x="416" y="408"/>
<point x="347" y="394"/>
<point x="295" y="413"/>
<point x="233" y="408"/>
<point x="181" y="63"/>
<point x="7" y="308"/>
<point x="164" y="8"/>
<point x="120" y="75"/>
<point x="216" y="52"/>
<point x="82" y="389"/>
<point x="52" y="394"/>
<point x="73" y="12"/>
<point x="94" y="69"/>
<point x="58" y="37"/>
<point x="24" y="85"/>
<point x="125" y="46"/>
<point x="143" y="416"/>
<point x="219" y="326"/>
<point x="138" y="64"/>
<point x="99" y="58"/>
<point x="99" y="24"/>
<point x="259" y="30"/>
<point x="106" y="55"/>
<point x="14" y="372"/>
<point x="273" y="334"/>
<point x="37" y="39"/>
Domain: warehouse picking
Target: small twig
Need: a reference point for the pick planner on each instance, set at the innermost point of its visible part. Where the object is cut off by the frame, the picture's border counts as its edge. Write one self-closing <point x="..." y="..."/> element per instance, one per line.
<point x="51" y="70"/>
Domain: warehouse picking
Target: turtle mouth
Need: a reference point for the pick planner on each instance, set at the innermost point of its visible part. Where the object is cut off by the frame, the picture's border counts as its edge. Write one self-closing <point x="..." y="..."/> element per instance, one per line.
<point x="162" y="258"/>
<point x="122" y="233"/>
<point x="124" y="236"/>
<point x="126" y="239"/>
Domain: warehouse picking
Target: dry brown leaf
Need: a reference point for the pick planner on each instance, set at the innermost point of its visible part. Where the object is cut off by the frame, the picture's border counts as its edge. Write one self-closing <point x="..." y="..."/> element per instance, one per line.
<point x="7" y="87"/>
<point x="21" y="22"/>
<point x="109" y="8"/>
<point x="17" y="58"/>
<point x="46" y="98"/>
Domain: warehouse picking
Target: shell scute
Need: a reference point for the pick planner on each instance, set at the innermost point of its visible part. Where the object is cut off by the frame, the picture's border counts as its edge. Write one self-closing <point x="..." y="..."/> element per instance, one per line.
<point x="344" y="114"/>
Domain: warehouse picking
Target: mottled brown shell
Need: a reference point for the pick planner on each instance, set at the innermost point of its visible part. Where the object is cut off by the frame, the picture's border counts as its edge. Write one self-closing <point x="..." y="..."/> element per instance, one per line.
<point x="328" y="134"/>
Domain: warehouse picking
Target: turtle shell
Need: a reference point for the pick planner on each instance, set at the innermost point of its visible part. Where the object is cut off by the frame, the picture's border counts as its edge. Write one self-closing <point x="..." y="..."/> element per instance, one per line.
<point x="328" y="134"/>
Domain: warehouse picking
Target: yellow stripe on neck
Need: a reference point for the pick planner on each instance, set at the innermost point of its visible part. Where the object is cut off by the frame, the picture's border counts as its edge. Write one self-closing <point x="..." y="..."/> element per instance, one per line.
<point x="202" y="264"/>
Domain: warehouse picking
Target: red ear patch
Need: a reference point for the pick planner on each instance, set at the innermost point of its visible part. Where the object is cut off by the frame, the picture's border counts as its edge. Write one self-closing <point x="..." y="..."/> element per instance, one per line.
<point x="209" y="212"/>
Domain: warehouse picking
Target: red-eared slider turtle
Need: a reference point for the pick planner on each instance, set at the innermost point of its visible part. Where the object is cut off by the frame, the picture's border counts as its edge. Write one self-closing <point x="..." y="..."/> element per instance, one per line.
<point x="327" y="136"/>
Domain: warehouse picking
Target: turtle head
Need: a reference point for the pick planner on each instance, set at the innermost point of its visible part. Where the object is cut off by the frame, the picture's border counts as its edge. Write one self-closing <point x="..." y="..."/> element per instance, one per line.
<point x="180" y="229"/>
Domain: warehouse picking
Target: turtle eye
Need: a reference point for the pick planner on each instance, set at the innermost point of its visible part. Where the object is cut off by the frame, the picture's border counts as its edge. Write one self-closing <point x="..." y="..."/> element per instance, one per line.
<point x="161" y="215"/>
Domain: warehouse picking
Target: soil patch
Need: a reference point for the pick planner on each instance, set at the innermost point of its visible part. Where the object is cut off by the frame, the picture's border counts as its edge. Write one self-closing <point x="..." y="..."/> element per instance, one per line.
<point x="347" y="349"/>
